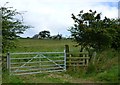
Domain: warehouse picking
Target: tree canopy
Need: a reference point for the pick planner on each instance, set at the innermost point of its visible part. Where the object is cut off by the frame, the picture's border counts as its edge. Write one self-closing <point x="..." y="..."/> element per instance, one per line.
<point x="90" y="30"/>
<point x="44" y="34"/>
<point x="11" y="27"/>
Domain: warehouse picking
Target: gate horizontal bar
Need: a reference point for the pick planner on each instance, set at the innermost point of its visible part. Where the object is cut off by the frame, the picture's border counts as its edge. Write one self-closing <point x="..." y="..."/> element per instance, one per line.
<point x="38" y="72"/>
<point x="24" y="67"/>
<point x="38" y="62"/>
<point x="35" y="58"/>
<point x="41" y="69"/>
<point x="53" y="57"/>
<point x="52" y="65"/>
<point x="78" y="53"/>
<point x="72" y="65"/>
<point x="54" y="61"/>
<point x="75" y="61"/>
<point x="25" y="62"/>
<point x="38" y="53"/>
<point x="36" y="66"/>
<point x="20" y="58"/>
<point x="78" y="57"/>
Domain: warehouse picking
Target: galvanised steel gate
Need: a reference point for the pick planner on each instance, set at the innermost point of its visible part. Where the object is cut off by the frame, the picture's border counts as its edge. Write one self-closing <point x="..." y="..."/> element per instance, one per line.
<point x="35" y="62"/>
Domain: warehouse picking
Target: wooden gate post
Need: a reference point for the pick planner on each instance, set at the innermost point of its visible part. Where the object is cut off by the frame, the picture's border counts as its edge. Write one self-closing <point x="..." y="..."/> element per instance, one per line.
<point x="66" y="50"/>
<point x="4" y="63"/>
<point x="8" y="62"/>
<point x="87" y="60"/>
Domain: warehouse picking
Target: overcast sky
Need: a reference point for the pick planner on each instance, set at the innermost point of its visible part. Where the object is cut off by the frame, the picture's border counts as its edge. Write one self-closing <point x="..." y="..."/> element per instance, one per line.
<point x="55" y="15"/>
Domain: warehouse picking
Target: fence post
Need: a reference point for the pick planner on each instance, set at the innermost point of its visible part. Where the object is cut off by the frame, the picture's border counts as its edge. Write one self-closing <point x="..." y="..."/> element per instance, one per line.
<point x="8" y="62"/>
<point x="87" y="60"/>
<point x="83" y="59"/>
<point x="66" y="51"/>
<point x="64" y="60"/>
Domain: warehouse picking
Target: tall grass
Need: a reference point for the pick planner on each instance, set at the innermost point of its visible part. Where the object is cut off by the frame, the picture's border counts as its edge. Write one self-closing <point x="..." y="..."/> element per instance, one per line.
<point x="10" y="79"/>
<point x="103" y="70"/>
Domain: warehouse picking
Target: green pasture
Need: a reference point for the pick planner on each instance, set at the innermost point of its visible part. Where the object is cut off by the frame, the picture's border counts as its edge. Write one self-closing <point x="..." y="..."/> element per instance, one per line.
<point x="105" y="68"/>
<point x="37" y="45"/>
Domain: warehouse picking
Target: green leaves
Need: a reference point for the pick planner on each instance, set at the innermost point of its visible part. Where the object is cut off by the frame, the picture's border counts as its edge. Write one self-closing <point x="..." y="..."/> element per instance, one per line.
<point x="11" y="27"/>
<point x="44" y="34"/>
<point x="89" y="30"/>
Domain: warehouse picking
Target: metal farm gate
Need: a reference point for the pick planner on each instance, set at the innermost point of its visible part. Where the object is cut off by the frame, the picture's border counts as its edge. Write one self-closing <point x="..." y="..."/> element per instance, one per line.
<point x="35" y="62"/>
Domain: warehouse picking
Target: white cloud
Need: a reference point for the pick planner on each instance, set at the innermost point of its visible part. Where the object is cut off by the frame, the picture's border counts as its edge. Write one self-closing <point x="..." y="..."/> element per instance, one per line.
<point x="55" y="15"/>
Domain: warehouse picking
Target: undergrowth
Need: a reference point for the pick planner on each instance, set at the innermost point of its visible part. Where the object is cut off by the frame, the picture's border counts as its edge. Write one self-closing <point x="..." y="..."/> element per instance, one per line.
<point x="6" y="78"/>
<point x="104" y="69"/>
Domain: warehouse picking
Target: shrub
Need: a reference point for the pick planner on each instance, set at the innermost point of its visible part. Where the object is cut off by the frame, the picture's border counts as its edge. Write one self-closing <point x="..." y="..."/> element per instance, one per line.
<point x="110" y="75"/>
<point x="91" y="69"/>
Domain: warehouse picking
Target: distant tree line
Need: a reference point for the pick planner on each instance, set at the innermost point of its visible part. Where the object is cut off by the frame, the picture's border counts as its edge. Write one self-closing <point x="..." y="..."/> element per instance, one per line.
<point x="46" y="35"/>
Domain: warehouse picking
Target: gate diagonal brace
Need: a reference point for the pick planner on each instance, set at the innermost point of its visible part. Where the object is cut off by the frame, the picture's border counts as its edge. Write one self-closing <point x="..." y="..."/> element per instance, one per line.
<point x="26" y="63"/>
<point x="52" y="61"/>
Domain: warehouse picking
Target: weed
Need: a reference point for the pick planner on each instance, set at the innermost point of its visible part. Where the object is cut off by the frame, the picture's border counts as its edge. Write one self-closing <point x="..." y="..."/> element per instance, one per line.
<point x="110" y="75"/>
<point x="91" y="69"/>
<point x="6" y="78"/>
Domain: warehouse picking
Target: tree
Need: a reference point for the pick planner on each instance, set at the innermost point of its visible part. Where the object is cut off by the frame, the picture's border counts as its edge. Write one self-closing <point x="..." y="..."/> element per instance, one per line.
<point x="90" y="31"/>
<point x="11" y="27"/>
<point x="44" y="34"/>
<point x="58" y="36"/>
<point x="35" y="36"/>
<point x="116" y="37"/>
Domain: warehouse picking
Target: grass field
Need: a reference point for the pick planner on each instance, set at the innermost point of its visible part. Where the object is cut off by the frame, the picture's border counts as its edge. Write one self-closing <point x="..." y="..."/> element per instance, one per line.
<point x="36" y="45"/>
<point x="107" y="67"/>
